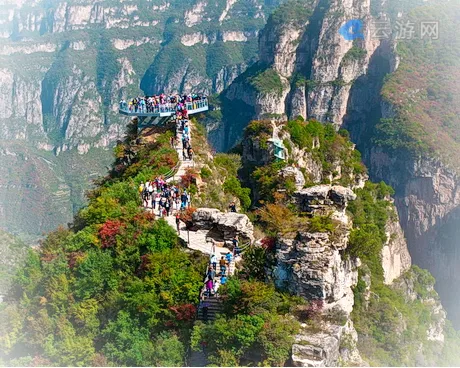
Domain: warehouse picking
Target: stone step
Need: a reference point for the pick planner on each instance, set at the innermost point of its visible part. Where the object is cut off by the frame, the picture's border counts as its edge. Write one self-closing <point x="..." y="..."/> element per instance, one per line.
<point x="197" y="359"/>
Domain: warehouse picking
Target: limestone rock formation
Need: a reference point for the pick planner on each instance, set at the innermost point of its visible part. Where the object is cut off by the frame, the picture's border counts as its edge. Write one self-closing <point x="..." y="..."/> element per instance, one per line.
<point x="395" y="254"/>
<point x="227" y="225"/>
<point x="291" y="171"/>
<point x="314" y="64"/>
<point x="323" y="196"/>
<point x="315" y="269"/>
<point x="333" y="345"/>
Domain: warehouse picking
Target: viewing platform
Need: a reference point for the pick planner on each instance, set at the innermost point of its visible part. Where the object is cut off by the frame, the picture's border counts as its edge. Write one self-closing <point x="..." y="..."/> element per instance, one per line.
<point x="163" y="110"/>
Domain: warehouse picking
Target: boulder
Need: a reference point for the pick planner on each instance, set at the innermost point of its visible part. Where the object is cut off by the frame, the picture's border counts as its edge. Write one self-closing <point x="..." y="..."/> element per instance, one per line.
<point x="322" y="197"/>
<point x="296" y="173"/>
<point x="323" y="349"/>
<point x="227" y="225"/>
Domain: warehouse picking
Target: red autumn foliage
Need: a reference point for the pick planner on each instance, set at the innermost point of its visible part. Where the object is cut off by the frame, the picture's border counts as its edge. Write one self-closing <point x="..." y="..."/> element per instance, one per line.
<point x="189" y="177"/>
<point x="268" y="243"/>
<point x="99" y="360"/>
<point x="39" y="361"/>
<point x="186" y="216"/>
<point x="144" y="218"/>
<point x="109" y="231"/>
<point x="48" y="257"/>
<point x="184" y="312"/>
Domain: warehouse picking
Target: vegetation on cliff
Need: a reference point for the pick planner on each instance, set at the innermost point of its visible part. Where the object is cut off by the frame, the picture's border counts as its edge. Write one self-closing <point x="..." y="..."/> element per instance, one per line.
<point x="255" y="327"/>
<point x="393" y="322"/>
<point x="115" y="289"/>
<point x="423" y="91"/>
<point x="12" y="254"/>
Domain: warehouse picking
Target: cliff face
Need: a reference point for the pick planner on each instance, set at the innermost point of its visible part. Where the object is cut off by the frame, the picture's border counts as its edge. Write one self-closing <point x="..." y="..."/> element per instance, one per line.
<point x="308" y="69"/>
<point x="427" y="198"/>
<point x="308" y="61"/>
<point x="422" y="166"/>
<point x="324" y="263"/>
<point x="65" y="66"/>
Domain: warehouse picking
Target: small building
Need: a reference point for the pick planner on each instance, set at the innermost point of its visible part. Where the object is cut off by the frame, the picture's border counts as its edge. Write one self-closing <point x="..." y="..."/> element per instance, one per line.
<point x="279" y="151"/>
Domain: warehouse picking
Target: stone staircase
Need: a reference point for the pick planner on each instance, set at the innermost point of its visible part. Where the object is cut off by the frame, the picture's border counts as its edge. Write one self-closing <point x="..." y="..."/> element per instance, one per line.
<point x="214" y="307"/>
<point x="183" y="164"/>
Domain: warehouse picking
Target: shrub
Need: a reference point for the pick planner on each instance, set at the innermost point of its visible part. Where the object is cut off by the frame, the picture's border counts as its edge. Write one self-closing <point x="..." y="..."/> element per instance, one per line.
<point x="233" y="186"/>
<point x="109" y="231"/>
<point x="266" y="82"/>
<point x="205" y="173"/>
<point x="277" y="218"/>
<point x="321" y="224"/>
<point x="187" y="215"/>
<point x="189" y="177"/>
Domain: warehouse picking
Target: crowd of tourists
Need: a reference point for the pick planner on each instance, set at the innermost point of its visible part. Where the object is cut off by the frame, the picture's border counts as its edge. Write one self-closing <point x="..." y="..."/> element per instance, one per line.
<point x="161" y="103"/>
<point x="187" y="150"/>
<point x="164" y="199"/>
<point x="217" y="274"/>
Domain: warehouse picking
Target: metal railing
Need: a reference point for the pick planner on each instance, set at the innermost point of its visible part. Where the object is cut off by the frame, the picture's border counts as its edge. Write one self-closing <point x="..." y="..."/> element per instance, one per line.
<point x="163" y="108"/>
<point x="171" y="173"/>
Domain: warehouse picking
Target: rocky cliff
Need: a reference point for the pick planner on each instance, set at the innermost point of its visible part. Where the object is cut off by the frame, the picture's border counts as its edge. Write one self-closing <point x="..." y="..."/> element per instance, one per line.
<point x="348" y="257"/>
<point x="64" y="66"/>
<point x="410" y="141"/>
<point x="307" y="68"/>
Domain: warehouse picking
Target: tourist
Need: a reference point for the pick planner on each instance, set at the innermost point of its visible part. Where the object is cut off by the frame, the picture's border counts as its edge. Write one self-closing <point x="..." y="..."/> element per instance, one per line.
<point x="184" y="198"/>
<point x="145" y="197"/>
<point x="222" y="265"/>
<point x="209" y="285"/>
<point x="223" y="280"/>
<point x="150" y="190"/>
<point x="211" y="273"/>
<point x="229" y="258"/>
<point x="167" y="207"/>
<point x="232" y="207"/>
<point x="157" y="201"/>
<point x="236" y="248"/>
<point x="178" y="223"/>
<point x="213" y="261"/>
<point x="141" y="189"/>
<point x="204" y="308"/>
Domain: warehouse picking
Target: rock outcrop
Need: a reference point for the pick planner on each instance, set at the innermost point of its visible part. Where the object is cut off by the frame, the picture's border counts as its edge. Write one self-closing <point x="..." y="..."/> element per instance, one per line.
<point x="395" y="254"/>
<point x="227" y="225"/>
<point x="333" y="345"/>
<point x="315" y="269"/>
<point x="428" y="200"/>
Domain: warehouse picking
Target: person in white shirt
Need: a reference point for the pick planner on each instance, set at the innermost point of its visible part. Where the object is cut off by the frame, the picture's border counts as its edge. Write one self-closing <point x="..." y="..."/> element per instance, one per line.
<point x="157" y="201"/>
<point x="151" y="193"/>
